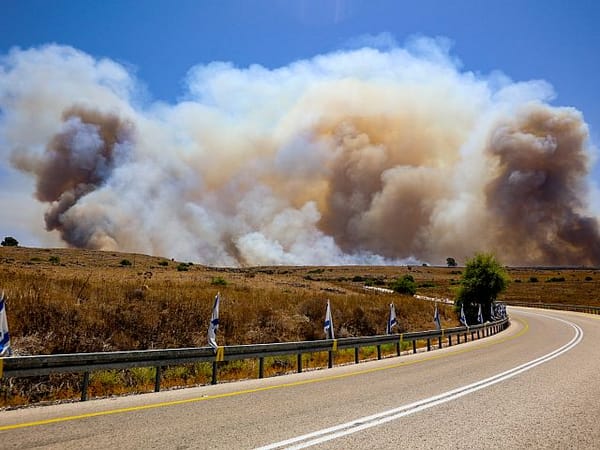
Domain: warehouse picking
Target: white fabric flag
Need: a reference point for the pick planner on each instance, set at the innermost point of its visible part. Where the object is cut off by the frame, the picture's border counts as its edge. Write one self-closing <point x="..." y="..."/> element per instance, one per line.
<point x="4" y="335"/>
<point x="214" y="324"/>
<point x="463" y="318"/>
<point x="328" y="327"/>
<point x="392" y="321"/>
<point x="436" y="318"/>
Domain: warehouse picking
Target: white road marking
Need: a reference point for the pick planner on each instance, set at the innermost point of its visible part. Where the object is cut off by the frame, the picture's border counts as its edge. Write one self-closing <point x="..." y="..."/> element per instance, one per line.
<point x="363" y="423"/>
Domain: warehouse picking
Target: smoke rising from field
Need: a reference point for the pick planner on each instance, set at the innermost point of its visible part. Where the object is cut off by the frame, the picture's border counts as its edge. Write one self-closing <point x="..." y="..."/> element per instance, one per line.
<point x="77" y="160"/>
<point x="360" y="156"/>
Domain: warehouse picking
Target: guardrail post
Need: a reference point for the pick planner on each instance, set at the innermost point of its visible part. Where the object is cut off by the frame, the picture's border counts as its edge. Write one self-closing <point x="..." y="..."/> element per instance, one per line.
<point x="440" y="342"/>
<point x="214" y="373"/>
<point x="84" y="386"/>
<point x="299" y="362"/>
<point x="330" y="359"/>
<point x="414" y="346"/>
<point x="157" y="377"/>
<point x="378" y="351"/>
<point x="261" y="367"/>
<point x="356" y="355"/>
<point x="398" y="349"/>
<point x="428" y="344"/>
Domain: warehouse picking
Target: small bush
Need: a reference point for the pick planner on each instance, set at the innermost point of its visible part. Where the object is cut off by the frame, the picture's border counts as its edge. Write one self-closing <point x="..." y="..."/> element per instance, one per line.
<point x="54" y="260"/>
<point x="517" y="280"/>
<point x="125" y="262"/>
<point x="358" y="279"/>
<point x="218" y="281"/>
<point x="405" y="285"/>
<point x="163" y="263"/>
<point x="35" y="259"/>
<point x="427" y="284"/>
<point x="588" y="278"/>
<point x="555" y="280"/>
<point x="182" y="267"/>
<point x="533" y="279"/>
<point x="9" y="241"/>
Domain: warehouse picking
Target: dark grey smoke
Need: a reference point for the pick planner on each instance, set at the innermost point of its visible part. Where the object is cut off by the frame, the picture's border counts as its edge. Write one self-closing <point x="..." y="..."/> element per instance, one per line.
<point x="537" y="196"/>
<point x="77" y="160"/>
<point x="354" y="157"/>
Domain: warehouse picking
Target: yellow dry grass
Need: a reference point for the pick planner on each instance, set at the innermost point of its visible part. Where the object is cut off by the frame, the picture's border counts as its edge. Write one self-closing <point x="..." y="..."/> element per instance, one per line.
<point x="66" y="300"/>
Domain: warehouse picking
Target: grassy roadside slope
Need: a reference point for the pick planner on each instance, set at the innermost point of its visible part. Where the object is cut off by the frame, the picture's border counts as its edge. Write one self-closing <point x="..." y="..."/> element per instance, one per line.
<point x="68" y="300"/>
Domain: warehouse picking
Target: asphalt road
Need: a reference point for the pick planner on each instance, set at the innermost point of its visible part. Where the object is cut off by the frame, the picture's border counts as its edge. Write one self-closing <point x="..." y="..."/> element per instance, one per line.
<point x="536" y="385"/>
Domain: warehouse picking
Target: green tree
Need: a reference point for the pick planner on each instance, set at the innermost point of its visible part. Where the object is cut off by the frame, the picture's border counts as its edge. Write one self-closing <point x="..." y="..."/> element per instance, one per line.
<point x="482" y="281"/>
<point x="451" y="262"/>
<point x="9" y="241"/>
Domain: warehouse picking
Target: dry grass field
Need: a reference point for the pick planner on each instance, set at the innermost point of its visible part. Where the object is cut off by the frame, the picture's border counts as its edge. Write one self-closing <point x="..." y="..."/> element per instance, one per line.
<point x="66" y="300"/>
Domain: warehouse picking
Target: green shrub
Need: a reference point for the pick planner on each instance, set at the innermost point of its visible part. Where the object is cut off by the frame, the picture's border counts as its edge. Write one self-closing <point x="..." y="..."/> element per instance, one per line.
<point x="404" y="285"/>
<point x="588" y="278"/>
<point x="125" y="262"/>
<point x="218" y="281"/>
<point x="9" y="241"/>
<point x="182" y="267"/>
<point x="555" y="280"/>
<point x="54" y="260"/>
<point x="533" y="279"/>
<point x="163" y="263"/>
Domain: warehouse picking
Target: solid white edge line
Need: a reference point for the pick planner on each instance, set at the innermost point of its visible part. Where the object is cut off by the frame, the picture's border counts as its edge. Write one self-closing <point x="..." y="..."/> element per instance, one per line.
<point x="362" y="423"/>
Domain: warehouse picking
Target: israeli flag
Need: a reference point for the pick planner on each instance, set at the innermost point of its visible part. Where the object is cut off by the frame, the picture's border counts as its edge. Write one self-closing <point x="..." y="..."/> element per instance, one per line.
<point x="4" y="335"/>
<point x="214" y="323"/>
<point x="328" y="327"/>
<point x="479" y="315"/>
<point x="463" y="318"/>
<point x="436" y="318"/>
<point x="392" y="321"/>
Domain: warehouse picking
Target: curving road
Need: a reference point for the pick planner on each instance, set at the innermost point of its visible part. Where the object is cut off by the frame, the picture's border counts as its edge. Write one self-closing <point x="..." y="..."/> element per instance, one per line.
<point x="536" y="385"/>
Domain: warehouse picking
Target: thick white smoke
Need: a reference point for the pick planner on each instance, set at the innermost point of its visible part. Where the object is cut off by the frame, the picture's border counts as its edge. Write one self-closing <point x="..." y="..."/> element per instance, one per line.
<point x="360" y="156"/>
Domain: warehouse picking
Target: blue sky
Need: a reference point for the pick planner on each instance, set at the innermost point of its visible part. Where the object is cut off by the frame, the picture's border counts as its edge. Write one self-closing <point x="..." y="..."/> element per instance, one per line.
<point x="554" y="40"/>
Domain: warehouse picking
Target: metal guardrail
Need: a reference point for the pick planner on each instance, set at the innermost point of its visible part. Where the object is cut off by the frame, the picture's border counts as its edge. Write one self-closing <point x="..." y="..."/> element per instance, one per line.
<point x="28" y="366"/>
<point x="559" y="306"/>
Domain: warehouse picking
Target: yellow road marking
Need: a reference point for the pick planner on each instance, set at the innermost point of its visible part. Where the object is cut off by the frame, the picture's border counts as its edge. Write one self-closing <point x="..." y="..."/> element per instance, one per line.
<point x="265" y="388"/>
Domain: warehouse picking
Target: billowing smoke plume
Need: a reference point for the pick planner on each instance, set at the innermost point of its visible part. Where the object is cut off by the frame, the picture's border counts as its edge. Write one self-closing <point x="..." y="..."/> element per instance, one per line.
<point x="361" y="156"/>
<point x="77" y="160"/>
